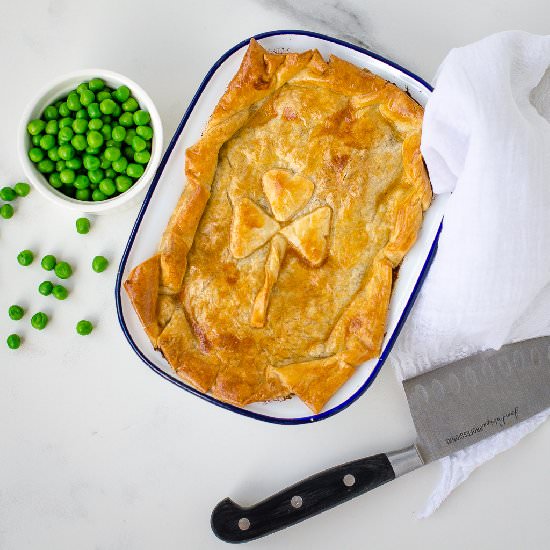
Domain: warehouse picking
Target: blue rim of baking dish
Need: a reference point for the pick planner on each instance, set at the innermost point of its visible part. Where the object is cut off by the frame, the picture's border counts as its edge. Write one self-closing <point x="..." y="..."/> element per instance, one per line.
<point x="151" y="190"/>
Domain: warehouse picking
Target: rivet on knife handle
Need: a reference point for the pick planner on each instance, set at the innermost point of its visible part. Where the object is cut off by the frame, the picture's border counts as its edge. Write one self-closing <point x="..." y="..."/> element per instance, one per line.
<point x="233" y="523"/>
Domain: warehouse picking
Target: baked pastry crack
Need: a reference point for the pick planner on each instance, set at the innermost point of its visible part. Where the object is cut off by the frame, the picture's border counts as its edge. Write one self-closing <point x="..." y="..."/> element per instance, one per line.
<point x="275" y="271"/>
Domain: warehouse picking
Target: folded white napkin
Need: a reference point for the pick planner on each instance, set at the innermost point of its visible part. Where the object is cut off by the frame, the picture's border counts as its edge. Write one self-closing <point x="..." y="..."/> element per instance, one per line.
<point x="485" y="139"/>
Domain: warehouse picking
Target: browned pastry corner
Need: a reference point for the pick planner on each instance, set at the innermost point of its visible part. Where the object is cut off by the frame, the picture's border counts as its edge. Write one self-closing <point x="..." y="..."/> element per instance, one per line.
<point x="275" y="271"/>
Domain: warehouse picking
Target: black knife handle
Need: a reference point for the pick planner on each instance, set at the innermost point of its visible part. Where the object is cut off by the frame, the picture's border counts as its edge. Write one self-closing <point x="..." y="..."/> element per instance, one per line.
<point x="233" y="523"/>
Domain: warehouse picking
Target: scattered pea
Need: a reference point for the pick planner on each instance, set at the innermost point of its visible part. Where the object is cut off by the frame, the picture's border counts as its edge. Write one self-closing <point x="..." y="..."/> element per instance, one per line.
<point x="7" y="194"/>
<point x="6" y="211"/>
<point x="48" y="262"/>
<point x="82" y="225"/>
<point x="39" y="320"/>
<point x="25" y="257"/>
<point x="63" y="270"/>
<point x="84" y="327"/>
<point x="45" y="288"/>
<point x="60" y="292"/>
<point x="16" y="312"/>
<point x="13" y="341"/>
<point x="22" y="189"/>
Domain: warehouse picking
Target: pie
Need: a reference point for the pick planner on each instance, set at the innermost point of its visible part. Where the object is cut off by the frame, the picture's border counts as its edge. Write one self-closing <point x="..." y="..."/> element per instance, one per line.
<point x="303" y="195"/>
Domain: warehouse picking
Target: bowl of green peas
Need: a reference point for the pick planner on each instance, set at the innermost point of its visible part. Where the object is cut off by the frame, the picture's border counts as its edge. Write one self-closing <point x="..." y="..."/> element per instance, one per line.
<point x="91" y="141"/>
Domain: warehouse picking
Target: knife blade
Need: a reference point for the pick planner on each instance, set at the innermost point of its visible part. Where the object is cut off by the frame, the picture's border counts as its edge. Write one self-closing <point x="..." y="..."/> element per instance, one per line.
<point x="453" y="407"/>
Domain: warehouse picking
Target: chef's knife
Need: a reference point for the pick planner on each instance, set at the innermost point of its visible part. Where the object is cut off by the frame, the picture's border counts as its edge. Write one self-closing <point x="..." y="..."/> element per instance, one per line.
<point x="452" y="407"/>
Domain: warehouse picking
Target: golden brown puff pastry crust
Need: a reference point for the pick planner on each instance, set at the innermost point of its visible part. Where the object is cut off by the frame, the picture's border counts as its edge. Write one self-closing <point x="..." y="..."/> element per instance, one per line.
<point x="302" y="196"/>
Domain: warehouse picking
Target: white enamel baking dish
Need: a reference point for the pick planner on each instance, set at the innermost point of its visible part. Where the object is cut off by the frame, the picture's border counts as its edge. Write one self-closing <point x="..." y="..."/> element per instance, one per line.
<point x="167" y="186"/>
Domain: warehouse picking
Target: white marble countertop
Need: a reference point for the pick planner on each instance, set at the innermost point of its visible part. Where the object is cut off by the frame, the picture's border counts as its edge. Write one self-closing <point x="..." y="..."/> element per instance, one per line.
<point x="98" y="452"/>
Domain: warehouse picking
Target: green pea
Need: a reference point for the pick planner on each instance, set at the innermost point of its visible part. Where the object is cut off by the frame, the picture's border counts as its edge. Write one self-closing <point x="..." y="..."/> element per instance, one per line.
<point x="87" y="97"/>
<point x="138" y="144"/>
<point x="63" y="270"/>
<point x="39" y="320"/>
<point x="93" y="150"/>
<point x="82" y="115"/>
<point x="126" y="120"/>
<point x="82" y="194"/>
<point x="53" y="154"/>
<point x="50" y="113"/>
<point x="34" y="127"/>
<point x="60" y="165"/>
<point x="81" y="87"/>
<point x="95" y="124"/>
<point x="22" y="188"/>
<point x="146" y="132"/>
<point x="46" y="166"/>
<point x="73" y="102"/>
<point x="64" y="122"/>
<point x="82" y="182"/>
<point x="100" y="264"/>
<point x="141" y="118"/>
<point x="105" y="163"/>
<point x="55" y="180"/>
<point x="47" y="142"/>
<point x="96" y="175"/>
<point x="7" y="194"/>
<point x="107" y="106"/>
<point x="95" y="139"/>
<point x="16" y="312"/>
<point x="119" y="133"/>
<point x="84" y="327"/>
<point x="66" y="152"/>
<point x="45" y="288"/>
<point x="74" y="164"/>
<point x="65" y="134"/>
<point x="36" y="154"/>
<point x="64" y="110"/>
<point x="107" y="187"/>
<point x="130" y="105"/>
<point x="13" y="341"/>
<point x="82" y="226"/>
<point x="102" y="96"/>
<point x="142" y="157"/>
<point x="25" y="258"/>
<point x="67" y="176"/>
<point x="91" y="162"/>
<point x="93" y="110"/>
<point x="112" y="154"/>
<point x="60" y="292"/>
<point x="97" y="195"/>
<point x="52" y="127"/>
<point x="135" y="171"/>
<point x="122" y="93"/>
<point x="36" y="140"/>
<point x="80" y="126"/>
<point x="123" y="183"/>
<point x="117" y="111"/>
<point x="106" y="131"/>
<point x="79" y="142"/>
<point x="48" y="262"/>
<point x="6" y="211"/>
<point x="120" y="165"/>
<point x="130" y="135"/>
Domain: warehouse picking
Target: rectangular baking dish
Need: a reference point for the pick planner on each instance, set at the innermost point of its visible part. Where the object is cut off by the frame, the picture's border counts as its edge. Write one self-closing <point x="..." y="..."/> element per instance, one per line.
<point x="168" y="184"/>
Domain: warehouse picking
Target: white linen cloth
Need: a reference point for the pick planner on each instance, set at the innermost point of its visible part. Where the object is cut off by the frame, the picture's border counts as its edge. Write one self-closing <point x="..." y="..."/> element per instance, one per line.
<point x="485" y="139"/>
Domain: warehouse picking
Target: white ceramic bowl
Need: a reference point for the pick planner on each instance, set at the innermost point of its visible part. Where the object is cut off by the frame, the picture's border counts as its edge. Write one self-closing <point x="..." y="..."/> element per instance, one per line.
<point x="59" y="88"/>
